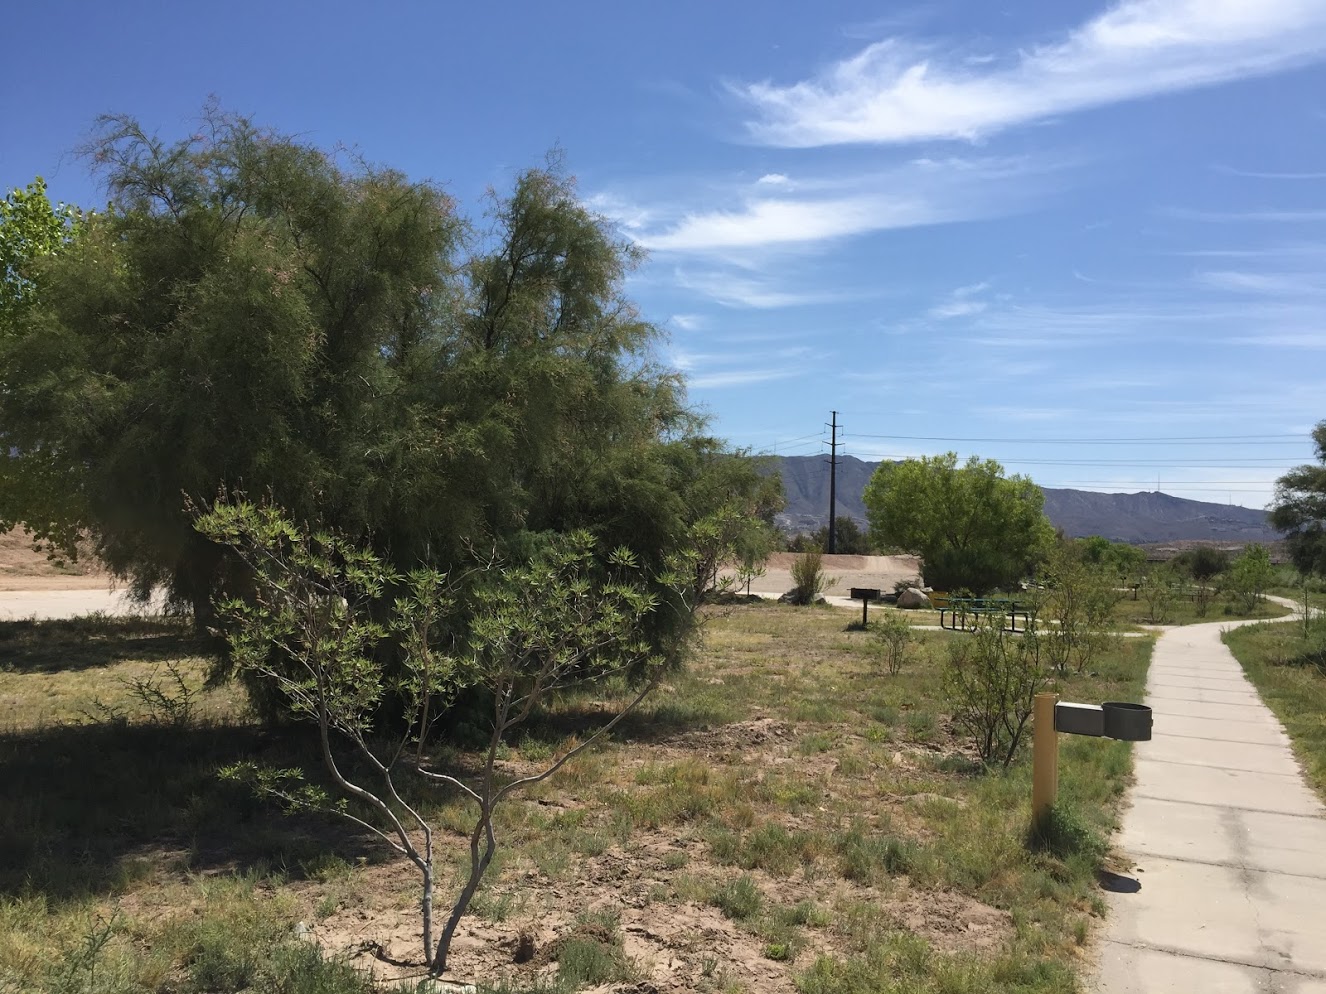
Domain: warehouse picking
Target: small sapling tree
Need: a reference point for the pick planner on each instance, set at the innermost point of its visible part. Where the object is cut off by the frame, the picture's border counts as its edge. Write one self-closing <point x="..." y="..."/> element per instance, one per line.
<point x="1078" y="600"/>
<point x="992" y="678"/>
<point x="314" y="627"/>
<point x="1157" y="589"/>
<point x="893" y="634"/>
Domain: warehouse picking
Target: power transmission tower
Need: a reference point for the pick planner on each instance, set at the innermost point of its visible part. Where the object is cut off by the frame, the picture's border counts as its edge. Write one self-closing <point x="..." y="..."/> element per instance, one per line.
<point x="833" y="485"/>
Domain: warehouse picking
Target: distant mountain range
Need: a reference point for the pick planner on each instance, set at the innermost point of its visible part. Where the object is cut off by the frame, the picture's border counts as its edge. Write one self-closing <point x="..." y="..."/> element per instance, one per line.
<point x="1139" y="517"/>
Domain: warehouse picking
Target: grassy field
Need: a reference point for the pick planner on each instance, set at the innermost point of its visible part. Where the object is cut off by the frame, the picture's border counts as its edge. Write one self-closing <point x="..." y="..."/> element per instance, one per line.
<point x="782" y="816"/>
<point x="1183" y="611"/>
<point x="1289" y="670"/>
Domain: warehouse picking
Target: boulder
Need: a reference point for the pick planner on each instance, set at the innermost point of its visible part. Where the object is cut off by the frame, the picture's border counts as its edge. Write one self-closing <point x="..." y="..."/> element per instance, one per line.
<point x="913" y="597"/>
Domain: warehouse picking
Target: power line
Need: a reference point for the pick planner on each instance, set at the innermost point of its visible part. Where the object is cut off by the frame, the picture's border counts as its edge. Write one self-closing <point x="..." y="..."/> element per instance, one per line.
<point x="789" y="441"/>
<point x="1176" y="440"/>
<point x="1247" y="463"/>
<point x="779" y="448"/>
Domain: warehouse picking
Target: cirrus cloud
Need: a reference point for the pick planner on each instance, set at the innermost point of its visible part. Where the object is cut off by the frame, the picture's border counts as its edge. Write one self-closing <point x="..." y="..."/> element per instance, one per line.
<point x="898" y="90"/>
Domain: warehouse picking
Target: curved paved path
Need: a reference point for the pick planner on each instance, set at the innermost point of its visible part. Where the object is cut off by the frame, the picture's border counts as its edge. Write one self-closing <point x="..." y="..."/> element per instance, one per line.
<point x="1228" y="841"/>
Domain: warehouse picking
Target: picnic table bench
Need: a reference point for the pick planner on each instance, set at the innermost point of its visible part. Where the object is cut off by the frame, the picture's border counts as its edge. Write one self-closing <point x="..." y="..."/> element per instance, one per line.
<point x="965" y="613"/>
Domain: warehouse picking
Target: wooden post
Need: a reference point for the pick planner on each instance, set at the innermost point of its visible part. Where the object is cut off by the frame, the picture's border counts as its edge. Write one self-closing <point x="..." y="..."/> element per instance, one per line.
<point x="1045" y="758"/>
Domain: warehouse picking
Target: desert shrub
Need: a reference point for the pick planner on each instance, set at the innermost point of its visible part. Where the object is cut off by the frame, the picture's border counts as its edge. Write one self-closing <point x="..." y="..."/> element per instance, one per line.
<point x="808" y="577"/>
<point x="893" y="635"/>
<point x="1079" y="599"/>
<point x="992" y="679"/>
<point x="1158" y="589"/>
<point x="1250" y="575"/>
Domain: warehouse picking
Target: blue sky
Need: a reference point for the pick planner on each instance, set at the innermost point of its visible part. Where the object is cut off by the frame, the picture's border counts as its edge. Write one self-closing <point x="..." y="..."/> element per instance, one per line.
<point x="1091" y="236"/>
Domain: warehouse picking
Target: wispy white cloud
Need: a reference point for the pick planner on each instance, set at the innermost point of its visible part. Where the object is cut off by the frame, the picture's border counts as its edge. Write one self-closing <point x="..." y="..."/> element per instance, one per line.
<point x="900" y="90"/>
<point x="780" y="221"/>
<point x="1284" y="340"/>
<point x="1011" y="412"/>
<point x="1291" y="216"/>
<point x="1271" y="284"/>
<point x="733" y="290"/>
<point x="687" y="322"/>
<point x="957" y="309"/>
<point x="1256" y="174"/>
<point x="1292" y="250"/>
<point x="738" y="377"/>
<point x="778" y="213"/>
<point x="962" y="302"/>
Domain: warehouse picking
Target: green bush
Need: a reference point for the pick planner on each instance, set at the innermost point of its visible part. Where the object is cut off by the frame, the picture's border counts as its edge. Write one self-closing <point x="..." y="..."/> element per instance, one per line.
<point x="808" y="578"/>
<point x="892" y="636"/>
<point x="992" y="679"/>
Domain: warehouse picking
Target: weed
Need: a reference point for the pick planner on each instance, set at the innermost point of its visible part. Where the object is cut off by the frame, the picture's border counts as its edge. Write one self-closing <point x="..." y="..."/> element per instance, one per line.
<point x="738" y="899"/>
<point x="867" y="858"/>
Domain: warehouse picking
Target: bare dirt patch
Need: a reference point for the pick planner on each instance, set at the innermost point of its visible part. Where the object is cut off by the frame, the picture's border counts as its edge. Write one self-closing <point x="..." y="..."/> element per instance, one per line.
<point x="847" y="572"/>
<point x="24" y="568"/>
<point x="672" y="946"/>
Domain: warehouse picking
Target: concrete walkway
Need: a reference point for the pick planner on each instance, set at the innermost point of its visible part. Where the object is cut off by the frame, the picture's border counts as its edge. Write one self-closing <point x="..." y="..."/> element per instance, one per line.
<point x="1228" y="842"/>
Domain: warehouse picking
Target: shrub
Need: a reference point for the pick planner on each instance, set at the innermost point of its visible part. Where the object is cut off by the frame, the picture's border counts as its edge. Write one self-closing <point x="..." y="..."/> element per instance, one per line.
<point x="893" y="635"/>
<point x="992" y="679"/>
<point x="1079" y="599"/>
<point x="808" y="578"/>
<point x="1250" y="575"/>
<point x="1157" y="589"/>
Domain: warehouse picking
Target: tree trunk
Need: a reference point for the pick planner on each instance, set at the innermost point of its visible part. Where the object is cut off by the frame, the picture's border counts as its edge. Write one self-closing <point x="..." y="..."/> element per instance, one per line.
<point x="478" y="866"/>
<point x="427" y="907"/>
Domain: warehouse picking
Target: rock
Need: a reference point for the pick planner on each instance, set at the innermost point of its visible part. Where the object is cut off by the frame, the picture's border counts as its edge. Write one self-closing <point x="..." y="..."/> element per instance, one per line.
<point x="913" y="598"/>
<point x="888" y="599"/>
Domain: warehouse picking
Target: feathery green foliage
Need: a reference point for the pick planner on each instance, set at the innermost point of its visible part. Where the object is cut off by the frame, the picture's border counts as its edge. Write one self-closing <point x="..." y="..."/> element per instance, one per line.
<point x="973" y="527"/>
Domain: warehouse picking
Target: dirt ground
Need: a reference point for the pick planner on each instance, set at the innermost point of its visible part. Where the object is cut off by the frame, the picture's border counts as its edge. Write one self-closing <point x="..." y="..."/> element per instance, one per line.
<point x="675" y="945"/>
<point x="24" y="568"/>
<point x="846" y="571"/>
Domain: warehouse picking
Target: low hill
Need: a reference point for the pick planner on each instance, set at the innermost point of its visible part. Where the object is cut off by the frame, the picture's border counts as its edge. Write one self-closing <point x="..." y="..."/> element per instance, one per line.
<point x="1139" y="517"/>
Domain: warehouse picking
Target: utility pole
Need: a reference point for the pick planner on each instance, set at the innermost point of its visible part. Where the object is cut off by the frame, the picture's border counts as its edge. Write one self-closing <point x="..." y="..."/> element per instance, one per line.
<point x="833" y="485"/>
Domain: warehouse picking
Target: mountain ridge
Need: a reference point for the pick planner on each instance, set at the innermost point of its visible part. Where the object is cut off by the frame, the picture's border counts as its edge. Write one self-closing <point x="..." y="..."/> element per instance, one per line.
<point x="1145" y="516"/>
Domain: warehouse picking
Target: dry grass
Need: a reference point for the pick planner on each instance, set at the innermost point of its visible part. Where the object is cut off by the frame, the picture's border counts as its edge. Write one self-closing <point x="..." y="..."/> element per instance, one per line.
<point x="782" y="816"/>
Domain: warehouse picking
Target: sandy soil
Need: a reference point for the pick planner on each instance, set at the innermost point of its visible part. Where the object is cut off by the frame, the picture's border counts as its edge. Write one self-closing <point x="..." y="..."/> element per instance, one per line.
<point x="675" y="945"/>
<point x="847" y="571"/>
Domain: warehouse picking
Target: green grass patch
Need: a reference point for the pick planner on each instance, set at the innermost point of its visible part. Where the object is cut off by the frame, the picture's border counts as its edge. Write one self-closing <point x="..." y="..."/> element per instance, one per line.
<point x="1288" y="667"/>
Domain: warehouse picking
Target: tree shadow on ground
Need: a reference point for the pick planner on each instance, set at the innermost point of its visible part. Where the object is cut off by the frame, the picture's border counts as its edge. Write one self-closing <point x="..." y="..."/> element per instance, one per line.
<point x="84" y="643"/>
<point x="87" y="809"/>
<point x="658" y="723"/>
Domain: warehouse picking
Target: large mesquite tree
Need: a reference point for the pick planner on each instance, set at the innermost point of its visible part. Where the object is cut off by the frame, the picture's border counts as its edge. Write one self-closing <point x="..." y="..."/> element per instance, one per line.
<point x="972" y="526"/>
<point x="251" y="312"/>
